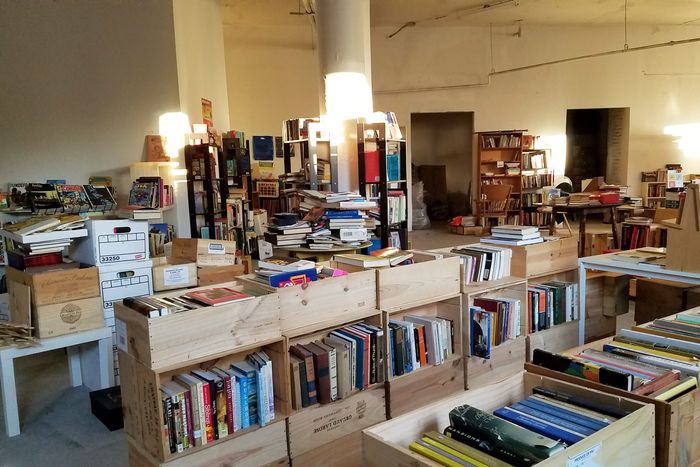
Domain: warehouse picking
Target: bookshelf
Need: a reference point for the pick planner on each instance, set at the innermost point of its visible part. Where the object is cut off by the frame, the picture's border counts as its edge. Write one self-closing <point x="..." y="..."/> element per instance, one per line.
<point x="500" y="159"/>
<point x="383" y="178"/>
<point x="654" y="194"/>
<point x="207" y="191"/>
<point x="306" y="139"/>
<point x="239" y="188"/>
<point x="536" y="175"/>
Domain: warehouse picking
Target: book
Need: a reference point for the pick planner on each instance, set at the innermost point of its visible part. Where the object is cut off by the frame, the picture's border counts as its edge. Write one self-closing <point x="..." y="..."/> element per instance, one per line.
<point x="211" y="414"/>
<point x="343" y="365"/>
<point x="32" y="225"/>
<point x="43" y="196"/>
<point x="100" y="196"/>
<point x="589" y="404"/>
<point x="307" y="357"/>
<point x="218" y="296"/>
<point x="228" y="394"/>
<point x="73" y="197"/>
<point x="537" y="425"/>
<point x="196" y="387"/>
<point x="675" y="390"/>
<point x="441" y="456"/>
<point x="332" y="368"/>
<point x="295" y="376"/>
<point x="475" y="454"/>
<point x="365" y="261"/>
<point x="144" y="195"/>
<point x="394" y="255"/>
<point x="285" y="264"/>
<point x="322" y="371"/>
<point x="249" y="395"/>
<point x="514" y="242"/>
<point x="563" y="364"/>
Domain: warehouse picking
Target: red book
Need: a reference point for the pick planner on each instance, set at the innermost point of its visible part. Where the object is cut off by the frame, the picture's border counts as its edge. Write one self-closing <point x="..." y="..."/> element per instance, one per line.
<point x="209" y="427"/>
<point x="218" y="296"/>
<point x="371" y="166"/>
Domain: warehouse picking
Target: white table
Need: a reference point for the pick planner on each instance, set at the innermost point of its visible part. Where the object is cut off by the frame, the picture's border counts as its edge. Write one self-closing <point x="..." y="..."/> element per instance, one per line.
<point x="89" y="363"/>
<point x="606" y="263"/>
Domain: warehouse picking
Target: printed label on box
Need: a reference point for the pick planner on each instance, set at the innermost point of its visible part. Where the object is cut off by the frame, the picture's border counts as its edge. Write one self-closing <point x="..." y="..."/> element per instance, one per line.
<point x="585" y="458"/>
<point x="216" y="249"/>
<point x="176" y="275"/>
<point x="122" y="338"/>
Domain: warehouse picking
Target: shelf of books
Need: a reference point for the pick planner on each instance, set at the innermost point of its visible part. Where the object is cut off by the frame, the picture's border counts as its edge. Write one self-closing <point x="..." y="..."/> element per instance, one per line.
<point x="337" y="384"/>
<point x="425" y="357"/>
<point x="207" y="191"/>
<point x="307" y="139"/>
<point x="515" y="422"/>
<point x="654" y="363"/>
<point x="307" y="307"/>
<point x="500" y="156"/>
<point x="536" y="176"/>
<point x="495" y="330"/>
<point x="59" y="198"/>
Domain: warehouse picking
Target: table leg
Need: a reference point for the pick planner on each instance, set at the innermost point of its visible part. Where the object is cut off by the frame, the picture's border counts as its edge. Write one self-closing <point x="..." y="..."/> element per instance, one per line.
<point x="106" y="366"/>
<point x="9" y="396"/>
<point x="581" y="304"/>
<point x="613" y="217"/>
<point x="553" y="222"/>
<point x="76" y="377"/>
<point x="582" y="234"/>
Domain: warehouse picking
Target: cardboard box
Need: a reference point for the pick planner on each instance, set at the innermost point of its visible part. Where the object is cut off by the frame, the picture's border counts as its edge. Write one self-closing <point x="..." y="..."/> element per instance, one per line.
<point x="173" y="273"/>
<point x="106" y="405"/>
<point x="205" y="252"/>
<point x="112" y="241"/>
<point x="218" y="274"/>
<point x="51" y="285"/>
<point x="118" y="281"/>
<point x="58" y="319"/>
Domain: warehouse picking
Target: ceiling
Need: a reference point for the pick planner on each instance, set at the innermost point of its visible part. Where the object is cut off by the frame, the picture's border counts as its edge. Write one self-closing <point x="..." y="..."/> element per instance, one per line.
<point x="394" y="13"/>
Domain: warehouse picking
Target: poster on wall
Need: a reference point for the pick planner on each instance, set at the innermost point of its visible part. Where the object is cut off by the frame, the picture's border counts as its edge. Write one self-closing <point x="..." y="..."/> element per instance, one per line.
<point x="207" y="113"/>
<point x="263" y="148"/>
<point x="279" y="150"/>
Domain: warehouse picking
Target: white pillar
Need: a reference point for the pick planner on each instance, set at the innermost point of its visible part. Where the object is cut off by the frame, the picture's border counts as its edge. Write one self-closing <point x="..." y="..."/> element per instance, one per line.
<point x="346" y="70"/>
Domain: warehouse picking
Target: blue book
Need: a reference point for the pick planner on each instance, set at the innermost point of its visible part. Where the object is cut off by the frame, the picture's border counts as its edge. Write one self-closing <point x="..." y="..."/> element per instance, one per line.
<point x="286" y="279"/>
<point x="548" y="417"/>
<point x="392" y="167"/>
<point x="566" y="414"/>
<point x="251" y="403"/>
<point x="480" y="332"/>
<point x="360" y="366"/>
<point x="242" y="402"/>
<point x="391" y="352"/>
<point x="538" y="426"/>
<point x="338" y="214"/>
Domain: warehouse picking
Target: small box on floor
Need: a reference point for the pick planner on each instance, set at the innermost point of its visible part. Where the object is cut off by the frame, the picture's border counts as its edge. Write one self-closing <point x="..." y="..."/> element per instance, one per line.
<point x="106" y="405"/>
<point x="111" y="241"/>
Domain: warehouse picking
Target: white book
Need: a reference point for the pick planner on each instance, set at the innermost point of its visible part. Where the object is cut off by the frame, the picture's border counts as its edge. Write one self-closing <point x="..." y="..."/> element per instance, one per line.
<point x="235" y="383"/>
<point x="514" y="242"/>
<point x="353" y="357"/>
<point x="432" y="343"/>
<point x="269" y="385"/>
<point x="342" y="356"/>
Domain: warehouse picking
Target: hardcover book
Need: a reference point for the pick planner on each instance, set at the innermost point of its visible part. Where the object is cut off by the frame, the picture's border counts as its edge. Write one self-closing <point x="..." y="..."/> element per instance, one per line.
<point x="218" y="296"/>
<point x="73" y="197"/>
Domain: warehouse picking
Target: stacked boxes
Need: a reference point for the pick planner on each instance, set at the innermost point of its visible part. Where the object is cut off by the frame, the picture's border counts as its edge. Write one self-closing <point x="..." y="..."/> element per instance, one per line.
<point x="216" y="260"/>
<point x="119" y="249"/>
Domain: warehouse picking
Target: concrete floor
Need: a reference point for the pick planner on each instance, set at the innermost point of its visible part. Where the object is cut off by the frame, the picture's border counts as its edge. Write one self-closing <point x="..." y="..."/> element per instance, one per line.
<point x="58" y="428"/>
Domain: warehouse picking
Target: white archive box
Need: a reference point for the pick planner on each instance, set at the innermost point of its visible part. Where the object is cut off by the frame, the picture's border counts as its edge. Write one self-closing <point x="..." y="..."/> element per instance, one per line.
<point x="112" y="241"/>
<point x="118" y="281"/>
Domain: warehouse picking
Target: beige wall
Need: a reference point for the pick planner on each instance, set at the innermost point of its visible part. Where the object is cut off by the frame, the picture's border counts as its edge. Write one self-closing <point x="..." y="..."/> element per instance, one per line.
<point x="82" y="83"/>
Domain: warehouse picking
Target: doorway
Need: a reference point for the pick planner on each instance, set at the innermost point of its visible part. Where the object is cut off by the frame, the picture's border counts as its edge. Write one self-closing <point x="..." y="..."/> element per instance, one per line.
<point x="441" y="158"/>
<point x="597" y="142"/>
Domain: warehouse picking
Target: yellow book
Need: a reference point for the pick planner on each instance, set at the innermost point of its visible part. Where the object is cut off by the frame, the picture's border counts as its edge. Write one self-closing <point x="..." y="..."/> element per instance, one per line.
<point x="687" y="384"/>
<point x="437" y="457"/>
<point x="479" y="457"/>
<point x="657" y="352"/>
<point x="454" y="452"/>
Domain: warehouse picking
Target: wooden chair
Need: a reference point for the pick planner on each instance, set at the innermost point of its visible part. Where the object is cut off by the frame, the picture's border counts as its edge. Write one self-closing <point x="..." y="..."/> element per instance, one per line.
<point x="494" y="203"/>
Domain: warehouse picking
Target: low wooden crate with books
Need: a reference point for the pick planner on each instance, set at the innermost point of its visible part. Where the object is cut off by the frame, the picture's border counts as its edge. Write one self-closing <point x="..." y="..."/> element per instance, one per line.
<point x="322" y="303"/>
<point x="494" y="349"/>
<point x="163" y="342"/>
<point x="561" y="335"/>
<point x="415" y="378"/>
<point x="544" y="258"/>
<point x="55" y="300"/>
<point x="164" y="411"/>
<point x="430" y="278"/>
<point x="626" y="441"/>
<point x="328" y="399"/>
<point x="677" y="419"/>
<point x="343" y="452"/>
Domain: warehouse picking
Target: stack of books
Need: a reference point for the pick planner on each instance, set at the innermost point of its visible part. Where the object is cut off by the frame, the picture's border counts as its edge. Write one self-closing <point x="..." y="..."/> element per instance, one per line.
<point x="515" y="235"/>
<point x="493" y="321"/>
<point x="524" y="433"/>
<point x="287" y="230"/>
<point x="551" y="303"/>
<point x="484" y="262"/>
<point x="153" y="307"/>
<point x="418" y="341"/>
<point x="206" y="405"/>
<point x="279" y="271"/>
<point x="347" y="360"/>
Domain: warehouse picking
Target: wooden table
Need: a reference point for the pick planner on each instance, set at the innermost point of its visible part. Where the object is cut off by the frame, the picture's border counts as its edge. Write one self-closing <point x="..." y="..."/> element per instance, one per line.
<point x="89" y="363"/>
<point x="321" y="255"/>
<point x="583" y="211"/>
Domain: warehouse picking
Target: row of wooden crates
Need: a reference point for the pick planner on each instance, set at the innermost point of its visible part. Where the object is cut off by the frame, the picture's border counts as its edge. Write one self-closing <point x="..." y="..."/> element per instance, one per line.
<point x="153" y="350"/>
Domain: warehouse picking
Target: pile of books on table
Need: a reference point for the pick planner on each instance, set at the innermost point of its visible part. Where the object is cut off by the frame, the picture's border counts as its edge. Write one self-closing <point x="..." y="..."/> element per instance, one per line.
<point x="280" y="271"/>
<point x="515" y="235"/>
<point x="484" y="262"/>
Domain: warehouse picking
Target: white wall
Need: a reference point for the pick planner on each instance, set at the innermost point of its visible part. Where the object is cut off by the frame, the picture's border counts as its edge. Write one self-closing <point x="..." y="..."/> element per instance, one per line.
<point x="660" y="86"/>
<point x="273" y="75"/>
<point x="82" y="83"/>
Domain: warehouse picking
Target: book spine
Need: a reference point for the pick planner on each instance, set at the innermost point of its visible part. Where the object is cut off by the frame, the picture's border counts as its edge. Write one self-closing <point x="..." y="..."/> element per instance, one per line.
<point x="311" y="380"/>
<point x="177" y="416"/>
<point x="479" y="443"/>
<point x="245" y="415"/>
<point x="187" y="417"/>
<point x="537" y="426"/>
<point x="236" y="389"/>
<point x="208" y="425"/>
<point x="373" y="358"/>
<point x="201" y="434"/>
<point x="214" y="408"/>
<point x="222" y="426"/>
<point x="170" y="424"/>
<point x="270" y="391"/>
<point x="303" y="384"/>
<point x="333" y="373"/>
<point x="229" y="404"/>
<point x="261" y="397"/>
<point x="252" y="398"/>
<point x="323" y="380"/>
<point x="379" y="364"/>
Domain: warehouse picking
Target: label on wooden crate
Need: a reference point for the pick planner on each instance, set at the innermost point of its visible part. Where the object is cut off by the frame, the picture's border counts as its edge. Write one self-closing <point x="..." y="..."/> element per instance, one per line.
<point x="122" y="338"/>
<point x="336" y="419"/>
<point x="585" y="458"/>
<point x="176" y="275"/>
<point x="216" y="249"/>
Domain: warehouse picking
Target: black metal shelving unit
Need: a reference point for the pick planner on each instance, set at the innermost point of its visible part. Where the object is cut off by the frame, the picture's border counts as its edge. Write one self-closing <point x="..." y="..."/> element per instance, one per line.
<point x="214" y="200"/>
<point x="236" y="164"/>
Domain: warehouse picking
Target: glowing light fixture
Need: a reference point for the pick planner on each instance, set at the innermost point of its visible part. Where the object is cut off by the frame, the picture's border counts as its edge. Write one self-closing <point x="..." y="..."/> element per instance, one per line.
<point x="174" y="126"/>
<point x="688" y="138"/>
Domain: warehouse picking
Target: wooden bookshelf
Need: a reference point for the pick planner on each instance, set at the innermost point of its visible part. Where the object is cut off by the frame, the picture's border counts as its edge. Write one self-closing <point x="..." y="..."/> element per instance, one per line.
<point x="500" y="159"/>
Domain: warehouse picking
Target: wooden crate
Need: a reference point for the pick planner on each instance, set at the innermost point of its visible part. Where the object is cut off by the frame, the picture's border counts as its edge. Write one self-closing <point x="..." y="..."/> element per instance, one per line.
<point x="61" y="286"/>
<point x="344" y="452"/>
<point x="211" y="275"/>
<point x="605" y="295"/>
<point x="173" y="273"/>
<point x="677" y="423"/>
<point x="248" y="451"/>
<point x="172" y="341"/>
<point x="629" y="441"/>
<point x="431" y="278"/>
<point x="544" y="258"/>
<point x="322" y="424"/>
<point x="420" y="386"/>
<point x="555" y="339"/>
<point x="321" y="304"/>
<point x="143" y="410"/>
